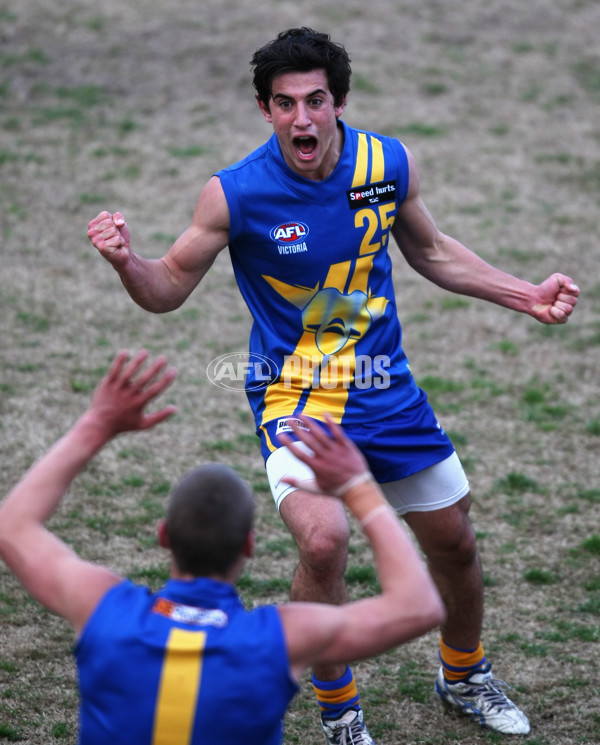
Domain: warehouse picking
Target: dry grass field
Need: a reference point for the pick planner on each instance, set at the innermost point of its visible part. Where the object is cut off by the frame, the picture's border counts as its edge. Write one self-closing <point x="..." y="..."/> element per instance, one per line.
<point x="131" y="106"/>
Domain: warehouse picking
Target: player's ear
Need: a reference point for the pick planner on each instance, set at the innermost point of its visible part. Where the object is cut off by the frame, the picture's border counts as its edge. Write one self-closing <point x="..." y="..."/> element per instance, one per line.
<point x="264" y="107"/>
<point x="162" y="533"/>
<point x="339" y="110"/>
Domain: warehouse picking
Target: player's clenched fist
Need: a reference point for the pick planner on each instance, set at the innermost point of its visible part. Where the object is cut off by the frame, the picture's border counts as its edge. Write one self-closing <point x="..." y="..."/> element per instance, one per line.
<point x="110" y="235"/>
<point x="556" y="299"/>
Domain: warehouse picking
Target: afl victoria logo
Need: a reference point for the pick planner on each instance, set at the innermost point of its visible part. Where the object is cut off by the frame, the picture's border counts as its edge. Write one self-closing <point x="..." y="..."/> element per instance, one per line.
<point x="289" y="232"/>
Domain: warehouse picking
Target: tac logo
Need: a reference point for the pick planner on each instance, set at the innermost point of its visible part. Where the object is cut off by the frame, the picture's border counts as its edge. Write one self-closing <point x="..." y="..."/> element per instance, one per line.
<point x="239" y="371"/>
<point x="289" y="232"/>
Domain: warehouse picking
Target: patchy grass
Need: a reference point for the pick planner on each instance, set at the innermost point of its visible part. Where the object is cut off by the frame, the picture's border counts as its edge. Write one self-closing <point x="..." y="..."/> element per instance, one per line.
<point x="103" y="110"/>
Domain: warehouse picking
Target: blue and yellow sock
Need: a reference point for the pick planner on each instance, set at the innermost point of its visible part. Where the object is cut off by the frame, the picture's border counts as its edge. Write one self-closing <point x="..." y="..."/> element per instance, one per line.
<point x="333" y="696"/>
<point x="459" y="663"/>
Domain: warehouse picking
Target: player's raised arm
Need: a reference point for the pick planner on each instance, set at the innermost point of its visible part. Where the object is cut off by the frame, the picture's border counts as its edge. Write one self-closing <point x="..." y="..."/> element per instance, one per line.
<point x="454" y="267"/>
<point x="49" y="569"/>
<point x="409" y="604"/>
<point x="161" y="285"/>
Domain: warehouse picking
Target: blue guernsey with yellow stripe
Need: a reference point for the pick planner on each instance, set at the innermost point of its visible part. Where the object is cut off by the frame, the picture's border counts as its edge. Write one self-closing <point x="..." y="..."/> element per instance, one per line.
<point x="311" y="260"/>
<point x="185" y="666"/>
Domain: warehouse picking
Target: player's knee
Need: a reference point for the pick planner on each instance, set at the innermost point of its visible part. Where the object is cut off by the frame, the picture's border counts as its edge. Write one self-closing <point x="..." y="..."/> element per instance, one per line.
<point x="465" y="551"/>
<point x="325" y="549"/>
<point x="450" y="541"/>
<point x="458" y="547"/>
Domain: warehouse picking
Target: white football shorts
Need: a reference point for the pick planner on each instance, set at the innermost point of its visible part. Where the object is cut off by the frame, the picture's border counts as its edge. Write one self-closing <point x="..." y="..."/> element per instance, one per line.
<point x="433" y="488"/>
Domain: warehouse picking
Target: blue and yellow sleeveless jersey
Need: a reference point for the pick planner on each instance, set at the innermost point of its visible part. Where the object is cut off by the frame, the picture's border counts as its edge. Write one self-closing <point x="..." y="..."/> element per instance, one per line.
<point x="187" y="665"/>
<point x="311" y="260"/>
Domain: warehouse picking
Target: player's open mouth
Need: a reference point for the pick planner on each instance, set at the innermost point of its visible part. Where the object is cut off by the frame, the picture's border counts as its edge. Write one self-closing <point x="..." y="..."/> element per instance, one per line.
<point x="305" y="146"/>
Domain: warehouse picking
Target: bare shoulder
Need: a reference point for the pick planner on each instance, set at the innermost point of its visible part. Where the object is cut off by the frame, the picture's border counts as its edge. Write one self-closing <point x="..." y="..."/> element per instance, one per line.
<point x="211" y="209"/>
<point x="192" y="254"/>
<point x="65" y="583"/>
<point x="414" y="186"/>
<point x="88" y="585"/>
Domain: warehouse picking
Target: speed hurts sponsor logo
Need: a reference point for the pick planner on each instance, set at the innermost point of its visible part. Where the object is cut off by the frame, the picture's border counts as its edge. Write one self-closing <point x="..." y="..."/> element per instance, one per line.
<point x="383" y="191"/>
<point x="290" y="237"/>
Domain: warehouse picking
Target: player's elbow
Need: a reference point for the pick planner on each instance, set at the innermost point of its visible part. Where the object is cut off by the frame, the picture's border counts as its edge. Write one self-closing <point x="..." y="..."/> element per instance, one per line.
<point x="423" y="612"/>
<point x="9" y="538"/>
<point x="428" y="615"/>
<point x="411" y="615"/>
<point x="433" y="610"/>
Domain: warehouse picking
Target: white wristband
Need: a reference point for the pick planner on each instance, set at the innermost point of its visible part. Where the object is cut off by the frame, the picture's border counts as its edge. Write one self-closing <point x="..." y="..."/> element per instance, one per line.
<point x="360" y="478"/>
<point x="374" y="513"/>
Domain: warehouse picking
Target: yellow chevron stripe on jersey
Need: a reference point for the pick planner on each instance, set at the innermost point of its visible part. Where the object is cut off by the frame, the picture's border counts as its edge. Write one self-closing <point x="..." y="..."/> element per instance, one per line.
<point x="332" y="400"/>
<point x="360" y="276"/>
<point x="337" y="276"/>
<point x="282" y="399"/>
<point x="303" y="376"/>
<point x="295" y="294"/>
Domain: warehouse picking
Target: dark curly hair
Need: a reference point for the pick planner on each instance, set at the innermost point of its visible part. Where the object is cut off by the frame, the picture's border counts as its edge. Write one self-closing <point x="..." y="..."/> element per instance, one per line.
<point x="301" y="50"/>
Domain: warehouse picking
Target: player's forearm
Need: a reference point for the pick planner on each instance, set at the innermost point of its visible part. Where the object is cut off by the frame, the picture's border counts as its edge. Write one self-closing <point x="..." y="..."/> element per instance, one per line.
<point x="150" y="284"/>
<point x="407" y="590"/>
<point x="455" y="268"/>
<point x="400" y="569"/>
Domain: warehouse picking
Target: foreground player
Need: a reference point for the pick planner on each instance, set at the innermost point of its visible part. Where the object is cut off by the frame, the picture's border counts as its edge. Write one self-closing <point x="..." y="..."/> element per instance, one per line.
<point x="189" y="664"/>
<point x="307" y="218"/>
